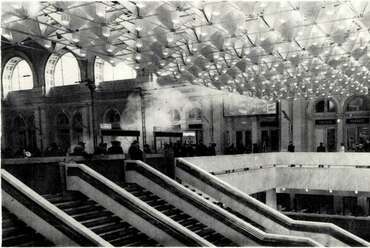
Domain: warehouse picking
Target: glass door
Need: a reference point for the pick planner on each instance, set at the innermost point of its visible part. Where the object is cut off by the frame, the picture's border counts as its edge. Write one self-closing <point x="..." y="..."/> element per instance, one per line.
<point x="331" y="141"/>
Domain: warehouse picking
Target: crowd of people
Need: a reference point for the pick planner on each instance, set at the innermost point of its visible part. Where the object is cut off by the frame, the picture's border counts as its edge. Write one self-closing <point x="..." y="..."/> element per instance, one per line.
<point x="177" y="149"/>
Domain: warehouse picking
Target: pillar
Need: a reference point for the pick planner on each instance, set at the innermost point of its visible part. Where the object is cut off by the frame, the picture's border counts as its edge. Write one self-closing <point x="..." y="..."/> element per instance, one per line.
<point x="284" y="126"/>
<point x="87" y="130"/>
<point x="340" y="129"/>
<point x="42" y="126"/>
<point x="254" y="130"/>
<point x="364" y="204"/>
<point x="338" y="204"/>
<point x="292" y="197"/>
<point x="271" y="198"/>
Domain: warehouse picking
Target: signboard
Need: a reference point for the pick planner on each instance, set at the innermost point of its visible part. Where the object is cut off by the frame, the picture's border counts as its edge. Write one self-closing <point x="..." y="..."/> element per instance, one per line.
<point x="106" y="125"/>
<point x="236" y="105"/>
<point x="326" y="122"/>
<point x="188" y="133"/>
<point x="358" y="121"/>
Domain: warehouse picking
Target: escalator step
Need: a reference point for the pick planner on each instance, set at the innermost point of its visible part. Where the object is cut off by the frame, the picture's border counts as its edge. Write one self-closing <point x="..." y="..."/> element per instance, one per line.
<point x="72" y="204"/>
<point x="87" y="213"/>
<point x="112" y="235"/>
<point x="106" y="227"/>
<point x="79" y="210"/>
<point x="100" y="221"/>
<point x="92" y="214"/>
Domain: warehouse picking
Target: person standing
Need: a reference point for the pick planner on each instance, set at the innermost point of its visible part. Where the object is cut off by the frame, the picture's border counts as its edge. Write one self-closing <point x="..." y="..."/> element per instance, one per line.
<point x="291" y="147"/>
<point x="342" y="147"/>
<point x="321" y="148"/>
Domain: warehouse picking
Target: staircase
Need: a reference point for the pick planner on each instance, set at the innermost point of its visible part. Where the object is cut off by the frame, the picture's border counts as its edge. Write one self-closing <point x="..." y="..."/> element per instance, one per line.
<point x="17" y="233"/>
<point x="220" y="204"/>
<point x="177" y="215"/>
<point x="99" y="220"/>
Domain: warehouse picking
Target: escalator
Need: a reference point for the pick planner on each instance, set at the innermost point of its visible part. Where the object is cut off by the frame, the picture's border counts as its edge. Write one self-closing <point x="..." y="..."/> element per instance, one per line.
<point x="99" y="220"/>
<point x="177" y="215"/>
<point x="16" y="233"/>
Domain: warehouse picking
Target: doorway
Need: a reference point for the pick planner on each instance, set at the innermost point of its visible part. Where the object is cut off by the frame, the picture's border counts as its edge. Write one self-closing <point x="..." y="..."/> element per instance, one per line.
<point x="327" y="136"/>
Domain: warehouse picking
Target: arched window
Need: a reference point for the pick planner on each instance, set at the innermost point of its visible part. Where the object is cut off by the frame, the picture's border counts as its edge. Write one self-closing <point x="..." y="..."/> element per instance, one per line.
<point x="104" y="71"/>
<point x="20" y="138"/>
<point x="113" y="117"/>
<point x="63" y="132"/>
<point x="175" y="115"/>
<point x="195" y="114"/>
<point x="325" y="105"/>
<point x="17" y="75"/>
<point x="358" y="103"/>
<point x="77" y="128"/>
<point x="62" y="70"/>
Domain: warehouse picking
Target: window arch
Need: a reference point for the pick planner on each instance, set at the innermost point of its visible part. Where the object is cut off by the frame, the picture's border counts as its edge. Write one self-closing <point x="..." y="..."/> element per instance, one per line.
<point x="325" y="105"/>
<point x="77" y="128"/>
<point x="175" y="115"/>
<point x="17" y="75"/>
<point x="63" y="132"/>
<point x="358" y="103"/>
<point x="104" y="71"/>
<point x="113" y="116"/>
<point x="195" y="114"/>
<point x="62" y="70"/>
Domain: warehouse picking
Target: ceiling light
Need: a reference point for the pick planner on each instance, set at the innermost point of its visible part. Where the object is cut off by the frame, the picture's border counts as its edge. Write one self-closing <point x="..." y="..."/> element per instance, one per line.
<point x="138" y="56"/>
<point x="82" y="52"/>
<point x="139" y="44"/>
<point x="140" y="5"/>
<point x="65" y="19"/>
<point x="139" y="28"/>
<point x="105" y="31"/>
<point x="75" y="37"/>
<point x="7" y="34"/>
<point x="109" y="48"/>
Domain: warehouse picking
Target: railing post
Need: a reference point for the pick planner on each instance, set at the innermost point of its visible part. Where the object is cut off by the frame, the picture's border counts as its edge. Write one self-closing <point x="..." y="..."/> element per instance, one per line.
<point x="63" y="174"/>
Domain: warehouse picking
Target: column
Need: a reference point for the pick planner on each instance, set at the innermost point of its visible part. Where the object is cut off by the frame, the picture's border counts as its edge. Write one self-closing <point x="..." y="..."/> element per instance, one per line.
<point x="271" y="198"/>
<point x="292" y="197"/>
<point x="363" y="203"/>
<point x="87" y="130"/>
<point x="254" y="130"/>
<point x="284" y="126"/>
<point x="338" y="204"/>
<point x="42" y="129"/>
<point x="340" y="128"/>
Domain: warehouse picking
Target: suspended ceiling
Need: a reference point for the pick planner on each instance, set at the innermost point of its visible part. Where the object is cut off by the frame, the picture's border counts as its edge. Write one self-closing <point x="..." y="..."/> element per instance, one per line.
<point x="272" y="50"/>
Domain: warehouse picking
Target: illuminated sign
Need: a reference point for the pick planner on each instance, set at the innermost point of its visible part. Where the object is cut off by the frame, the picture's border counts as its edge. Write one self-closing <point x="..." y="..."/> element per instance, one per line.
<point x="235" y="105"/>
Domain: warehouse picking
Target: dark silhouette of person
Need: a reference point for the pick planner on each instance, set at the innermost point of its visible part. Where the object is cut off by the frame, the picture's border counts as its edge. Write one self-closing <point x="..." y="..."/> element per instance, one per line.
<point x="135" y="152"/>
<point x="147" y="149"/>
<point x="115" y="148"/>
<point x="101" y="149"/>
<point x="291" y="147"/>
<point x="321" y="147"/>
<point x="212" y="149"/>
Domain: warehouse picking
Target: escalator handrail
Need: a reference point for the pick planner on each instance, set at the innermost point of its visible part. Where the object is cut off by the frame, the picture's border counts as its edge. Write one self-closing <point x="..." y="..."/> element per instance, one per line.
<point x="62" y="221"/>
<point x="213" y="210"/>
<point x="245" y="199"/>
<point x="144" y="209"/>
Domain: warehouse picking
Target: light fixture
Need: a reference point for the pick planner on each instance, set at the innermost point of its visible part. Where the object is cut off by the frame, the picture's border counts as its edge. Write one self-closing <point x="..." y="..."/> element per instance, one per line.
<point x="109" y="48"/>
<point x="139" y="28"/>
<point x="356" y="191"/>
<point x="306" y="189"/>
<point x="65" y="19"/>
<point x="105" y="31"/>
<point x="7" y="34"/>
<point x="75" y="37"/>
<point x="82" y="52"/>
<point x="139" y="44"/>
<point x="47" y="44"/>
<point x="100" y="10"/>
<point x="138" y="56"/>
<point x="330" y="191"/>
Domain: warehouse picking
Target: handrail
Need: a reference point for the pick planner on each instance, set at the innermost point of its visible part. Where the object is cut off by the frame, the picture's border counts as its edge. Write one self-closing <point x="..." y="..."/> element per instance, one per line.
<point x="145" y="210"/>
<point x="58" y="159"/>
<point x="275" y="215"/>
<point x="53" y="211"/>
<point x="214" y="210"/>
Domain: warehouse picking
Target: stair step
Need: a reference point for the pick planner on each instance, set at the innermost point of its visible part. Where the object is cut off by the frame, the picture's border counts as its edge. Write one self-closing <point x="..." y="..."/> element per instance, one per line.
<point x="81" y="209"/>
<point x="106" y="227"/>
<point x="100" y="221"/>
<point x="113" y="234"/>
<point x="92" y="214"/>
